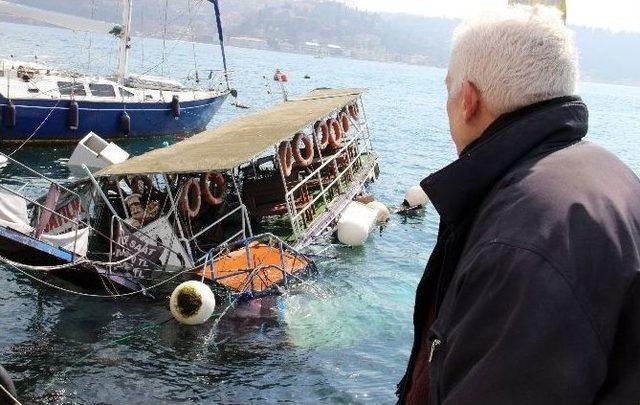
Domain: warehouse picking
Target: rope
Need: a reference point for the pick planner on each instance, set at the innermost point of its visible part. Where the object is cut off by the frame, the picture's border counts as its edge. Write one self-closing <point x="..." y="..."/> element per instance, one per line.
<point x="200" y="4"/>
<point x="101" y="295"/>
<point x="37" y="129"/>
<point x="67" y="265"/>
<point x="41" y="268"/>
<point x="6" y="391"/>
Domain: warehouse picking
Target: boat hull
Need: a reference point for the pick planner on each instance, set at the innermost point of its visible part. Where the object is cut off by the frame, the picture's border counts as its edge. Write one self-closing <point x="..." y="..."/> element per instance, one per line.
<point x="48" y="120"/>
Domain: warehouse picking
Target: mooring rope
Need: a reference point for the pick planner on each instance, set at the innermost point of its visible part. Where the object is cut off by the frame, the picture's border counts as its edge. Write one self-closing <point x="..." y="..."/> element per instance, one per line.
<point x="67" y="265"/>
<point x="37" y="129"/>
<point x="142" y="291"/>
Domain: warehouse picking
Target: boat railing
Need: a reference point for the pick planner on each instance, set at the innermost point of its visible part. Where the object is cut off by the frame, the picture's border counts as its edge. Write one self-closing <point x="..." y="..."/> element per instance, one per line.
<point x="267" y="238"/>
<point x="20" y="194"/>
<point x="76" y="224"/>
<point x="241" y="233"/>
<point x="297" y="213"/>
<point x="38" y="174"/>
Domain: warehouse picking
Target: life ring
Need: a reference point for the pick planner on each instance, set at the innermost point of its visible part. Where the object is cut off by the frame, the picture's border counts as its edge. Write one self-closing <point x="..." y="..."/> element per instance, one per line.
<point x="303" y="157"/>
<point x="322" y="127"/>
<point x="190" y="198"/>
<point x="146" y="185"/>
<point x="344" y="121"/>
<point x="335" y="140"/>
<point x="354" y="111"/>
<point x="286" y="158"/>
<point x="213" y="197"/>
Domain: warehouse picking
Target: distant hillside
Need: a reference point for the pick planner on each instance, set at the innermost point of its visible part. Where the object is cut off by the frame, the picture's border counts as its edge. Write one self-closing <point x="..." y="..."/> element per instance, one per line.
<point x="327" y="27"/>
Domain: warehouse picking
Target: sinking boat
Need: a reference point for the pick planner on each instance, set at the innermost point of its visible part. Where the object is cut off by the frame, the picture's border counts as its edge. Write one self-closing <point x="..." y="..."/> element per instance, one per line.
<point x="237" y="207"/>
<point x="42" y="103"/>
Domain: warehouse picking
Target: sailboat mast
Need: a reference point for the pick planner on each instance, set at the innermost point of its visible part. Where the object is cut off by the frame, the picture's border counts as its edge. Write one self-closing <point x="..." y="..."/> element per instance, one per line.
<point x="216" y="8"/>
<point x="123" y="58"/>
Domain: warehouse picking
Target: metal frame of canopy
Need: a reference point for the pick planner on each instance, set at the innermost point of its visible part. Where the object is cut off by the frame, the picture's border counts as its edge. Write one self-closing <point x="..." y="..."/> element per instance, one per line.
<point x="242" y="140"/>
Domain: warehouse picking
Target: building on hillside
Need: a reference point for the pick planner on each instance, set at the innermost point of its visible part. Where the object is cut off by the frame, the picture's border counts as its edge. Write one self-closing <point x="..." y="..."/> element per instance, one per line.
<point x="335" y="50"/>
<point x="248" y="42"/>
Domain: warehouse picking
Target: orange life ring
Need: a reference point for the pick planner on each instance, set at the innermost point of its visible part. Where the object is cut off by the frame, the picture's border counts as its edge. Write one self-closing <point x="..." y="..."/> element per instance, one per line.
<point x="302" y="156"/>
<point x="146" y="185"/>
<point x="335" y="140"/>
<point x="190" y="198"/>
<point x="344" y="121"/>
<point x="213" y="197"/>
<point x="324" y="140"/>
<point x="286" y="158"/>
<point x="354" y="111"/>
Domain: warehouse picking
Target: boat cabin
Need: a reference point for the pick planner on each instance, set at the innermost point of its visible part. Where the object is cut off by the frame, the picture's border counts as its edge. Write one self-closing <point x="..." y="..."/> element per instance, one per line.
<point x="290" y="169"/>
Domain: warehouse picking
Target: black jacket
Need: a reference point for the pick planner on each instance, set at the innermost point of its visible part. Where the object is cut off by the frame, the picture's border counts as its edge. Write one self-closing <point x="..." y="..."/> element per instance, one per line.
<point x="534" y="282"/>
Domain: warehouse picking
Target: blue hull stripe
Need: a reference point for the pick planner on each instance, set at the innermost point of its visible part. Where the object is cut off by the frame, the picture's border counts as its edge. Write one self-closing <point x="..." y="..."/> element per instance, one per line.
<point x="103" y="118"/>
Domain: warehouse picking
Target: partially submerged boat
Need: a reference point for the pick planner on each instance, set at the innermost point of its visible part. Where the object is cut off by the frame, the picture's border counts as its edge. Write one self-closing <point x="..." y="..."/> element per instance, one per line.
<point x="237" y="207"/>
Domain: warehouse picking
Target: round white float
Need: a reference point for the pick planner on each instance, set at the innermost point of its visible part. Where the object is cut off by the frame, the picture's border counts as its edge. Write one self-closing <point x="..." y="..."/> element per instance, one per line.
<point x="383" y="211"/>
<point x="352" y="233"/>
<point x="192" y="303"/>
<point x="356" y="223"/>
<point x="416" y="196"/>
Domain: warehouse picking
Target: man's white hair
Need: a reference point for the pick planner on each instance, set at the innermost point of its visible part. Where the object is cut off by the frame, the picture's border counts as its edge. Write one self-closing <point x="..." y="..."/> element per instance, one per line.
<point x="517" y="56"/>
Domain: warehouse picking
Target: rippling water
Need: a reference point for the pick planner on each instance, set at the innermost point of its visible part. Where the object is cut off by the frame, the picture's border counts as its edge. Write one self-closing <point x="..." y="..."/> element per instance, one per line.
<point x="344" y="338"/>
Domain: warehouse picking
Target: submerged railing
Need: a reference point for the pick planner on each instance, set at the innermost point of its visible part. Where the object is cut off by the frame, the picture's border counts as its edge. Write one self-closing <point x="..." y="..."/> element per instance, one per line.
<point x="252" y="271"/>
<point x="74" y="221"/>
<point x="297" y="214"/>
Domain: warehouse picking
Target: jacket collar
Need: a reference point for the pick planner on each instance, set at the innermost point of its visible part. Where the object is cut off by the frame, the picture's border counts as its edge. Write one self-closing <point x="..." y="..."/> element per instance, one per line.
<point x="460" y="187"/>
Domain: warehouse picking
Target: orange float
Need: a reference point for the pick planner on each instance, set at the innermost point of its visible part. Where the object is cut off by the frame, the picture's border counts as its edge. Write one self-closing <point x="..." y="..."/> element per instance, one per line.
<point x="286" y="158"/>
<point x="335" y="138"/>
<point x="213" y="197"/>
<point x="344" y="121"/>
<point x="190" y="198"/>
<point x="322" y="127"/>
<point x="354" y="111"/>
<point x="302" y="156"/>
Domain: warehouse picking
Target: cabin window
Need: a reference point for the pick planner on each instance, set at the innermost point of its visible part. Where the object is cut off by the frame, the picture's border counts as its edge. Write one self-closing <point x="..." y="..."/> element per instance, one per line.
<point x="67" y="88"/>
<point x="125" y="93"/>
<point x="102" y="90"/>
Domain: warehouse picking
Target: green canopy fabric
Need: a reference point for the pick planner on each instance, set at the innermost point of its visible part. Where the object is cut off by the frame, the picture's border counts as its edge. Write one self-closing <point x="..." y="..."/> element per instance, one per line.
<point x="241" y="139"/>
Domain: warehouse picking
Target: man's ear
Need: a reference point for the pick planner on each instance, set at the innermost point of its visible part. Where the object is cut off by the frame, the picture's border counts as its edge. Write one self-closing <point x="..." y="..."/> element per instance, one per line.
<point x="470" y="101"/>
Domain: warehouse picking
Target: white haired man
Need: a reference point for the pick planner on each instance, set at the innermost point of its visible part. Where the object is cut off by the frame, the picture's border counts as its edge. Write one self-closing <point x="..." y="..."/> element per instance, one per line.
<point x="532" y="292"/>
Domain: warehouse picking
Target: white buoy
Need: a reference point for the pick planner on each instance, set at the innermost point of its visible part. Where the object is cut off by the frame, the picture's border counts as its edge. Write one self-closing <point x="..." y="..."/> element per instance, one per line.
<point x="192" y="303"/>
<point x="383" y="211"/>
<point x="416" y="197"/>
<point x="356" y="223"/>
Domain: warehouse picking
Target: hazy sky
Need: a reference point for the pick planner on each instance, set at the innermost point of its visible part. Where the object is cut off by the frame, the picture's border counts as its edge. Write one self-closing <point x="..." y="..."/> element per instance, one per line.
<point x="613" y="14"/>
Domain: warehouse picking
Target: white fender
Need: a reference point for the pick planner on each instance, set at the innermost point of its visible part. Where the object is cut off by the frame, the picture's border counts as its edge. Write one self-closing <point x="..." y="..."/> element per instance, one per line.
<point x="356" y="223"/>
<point x="381" y="209"/>
<point x="416" y="197"/>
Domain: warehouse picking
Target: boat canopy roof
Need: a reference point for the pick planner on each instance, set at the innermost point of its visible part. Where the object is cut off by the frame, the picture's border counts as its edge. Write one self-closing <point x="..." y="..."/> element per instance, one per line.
<point x="240" y="140"/>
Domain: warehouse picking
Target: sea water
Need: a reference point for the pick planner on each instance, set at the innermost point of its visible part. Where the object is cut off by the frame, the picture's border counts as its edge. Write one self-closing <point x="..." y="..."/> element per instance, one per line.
<point x="343" y="338"/>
